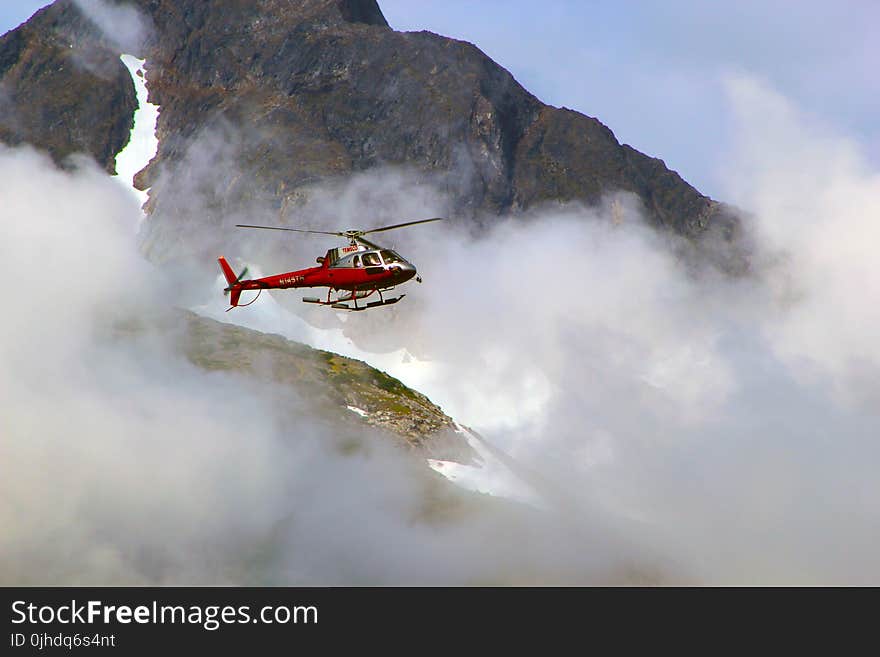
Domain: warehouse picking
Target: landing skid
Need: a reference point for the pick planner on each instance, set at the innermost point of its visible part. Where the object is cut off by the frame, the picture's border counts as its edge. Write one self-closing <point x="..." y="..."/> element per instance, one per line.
<point x="340" y="304"/>
<point x="372" y="304"/>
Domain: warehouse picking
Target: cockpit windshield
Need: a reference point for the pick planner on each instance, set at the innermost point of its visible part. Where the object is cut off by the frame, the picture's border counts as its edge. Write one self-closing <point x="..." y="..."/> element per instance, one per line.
<point x="390" y="256"/>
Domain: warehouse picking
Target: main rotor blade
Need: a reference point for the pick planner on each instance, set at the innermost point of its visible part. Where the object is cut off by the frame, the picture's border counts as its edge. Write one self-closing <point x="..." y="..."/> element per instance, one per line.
<point x="408" y="223"/>
<point x="293" y="230"/>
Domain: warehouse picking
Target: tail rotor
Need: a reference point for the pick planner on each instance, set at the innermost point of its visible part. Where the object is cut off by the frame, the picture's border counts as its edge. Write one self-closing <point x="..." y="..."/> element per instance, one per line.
<point x="238" y="279"/>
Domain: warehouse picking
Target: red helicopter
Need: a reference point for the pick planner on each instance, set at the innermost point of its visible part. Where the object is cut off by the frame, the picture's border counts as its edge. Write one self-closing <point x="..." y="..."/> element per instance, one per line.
<point x="353" y="272"/>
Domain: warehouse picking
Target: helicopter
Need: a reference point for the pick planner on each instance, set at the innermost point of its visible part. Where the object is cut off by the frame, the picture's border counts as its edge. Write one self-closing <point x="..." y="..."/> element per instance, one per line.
<point x="354" y="272"/>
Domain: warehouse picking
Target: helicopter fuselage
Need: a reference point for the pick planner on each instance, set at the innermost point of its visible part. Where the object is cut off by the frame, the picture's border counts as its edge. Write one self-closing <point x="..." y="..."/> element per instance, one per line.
<point x="361" y="269"/>
<point x="381" y="276"/>
<point x="358" y="269"/>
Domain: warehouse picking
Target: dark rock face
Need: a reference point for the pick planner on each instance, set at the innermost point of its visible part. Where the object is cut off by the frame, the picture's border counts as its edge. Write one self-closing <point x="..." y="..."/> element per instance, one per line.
<point x="316" y="89"/>
<point x="63" y="89"/>
<point x="358" y="11"/>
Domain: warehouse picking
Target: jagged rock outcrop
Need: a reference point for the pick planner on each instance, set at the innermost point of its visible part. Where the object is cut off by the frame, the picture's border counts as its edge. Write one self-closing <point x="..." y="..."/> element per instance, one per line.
<point x="63" y="88"/>
<point x="327" y="380"/>
<point x="327" y="384"/>
<point x="317" y="89"/>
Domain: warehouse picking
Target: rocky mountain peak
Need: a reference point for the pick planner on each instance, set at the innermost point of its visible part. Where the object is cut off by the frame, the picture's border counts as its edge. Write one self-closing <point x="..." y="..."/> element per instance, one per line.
<point x="314" y="91"/>
<point x="362" y="11"/>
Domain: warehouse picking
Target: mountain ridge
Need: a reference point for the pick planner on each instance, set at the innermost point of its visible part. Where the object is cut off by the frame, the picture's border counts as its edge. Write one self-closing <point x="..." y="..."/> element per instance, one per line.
<point x="322" y="89"/>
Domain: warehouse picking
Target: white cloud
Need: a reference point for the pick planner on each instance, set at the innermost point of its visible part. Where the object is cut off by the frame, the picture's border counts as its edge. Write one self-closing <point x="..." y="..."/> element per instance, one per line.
<point x="121" y="23"/>
<point x="121" y="463"/>
<point x="679" y="429"/>
<point x="727" y="425"/>
<point x="818" y="200"/>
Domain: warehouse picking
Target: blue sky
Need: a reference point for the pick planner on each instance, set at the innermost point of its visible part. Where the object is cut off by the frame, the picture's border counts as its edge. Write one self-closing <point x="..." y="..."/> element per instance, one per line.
<point x="16" y="12"/>
<point x="654" y="70"/>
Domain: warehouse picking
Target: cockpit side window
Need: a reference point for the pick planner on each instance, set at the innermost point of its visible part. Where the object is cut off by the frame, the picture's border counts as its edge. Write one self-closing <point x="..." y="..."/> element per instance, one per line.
<point x="372" y="260"/>
<point x="347" y="261"/>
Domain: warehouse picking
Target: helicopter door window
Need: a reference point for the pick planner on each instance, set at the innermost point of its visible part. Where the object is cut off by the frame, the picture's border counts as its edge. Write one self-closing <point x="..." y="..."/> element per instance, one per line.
<point x="372" y="260"/>
<point x="347" y="261"/>
<point x="356" y="261"/>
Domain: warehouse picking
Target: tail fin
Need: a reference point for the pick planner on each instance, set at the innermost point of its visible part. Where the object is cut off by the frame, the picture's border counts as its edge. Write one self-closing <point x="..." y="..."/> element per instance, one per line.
<point x="234" y="287"/>
<point x="227" y="270"/>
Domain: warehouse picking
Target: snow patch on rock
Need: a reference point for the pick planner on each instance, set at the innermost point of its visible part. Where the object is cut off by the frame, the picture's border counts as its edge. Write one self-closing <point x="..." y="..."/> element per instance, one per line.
<point x="359" y="411"/>
<point x="142" y="143"/>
